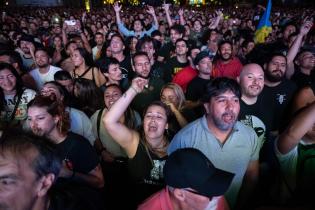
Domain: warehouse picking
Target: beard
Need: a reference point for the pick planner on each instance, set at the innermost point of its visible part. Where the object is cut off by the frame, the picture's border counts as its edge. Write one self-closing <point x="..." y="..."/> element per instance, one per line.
<point x="226" y="58"/>
<point x="274" y="77"/>
<point x="142" y="76"/>
<point x="42" y="65"/>
<point x="223" y="125"/>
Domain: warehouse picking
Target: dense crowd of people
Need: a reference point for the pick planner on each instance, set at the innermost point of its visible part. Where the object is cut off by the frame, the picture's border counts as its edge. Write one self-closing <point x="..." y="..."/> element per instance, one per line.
<point x="156" y="108"/>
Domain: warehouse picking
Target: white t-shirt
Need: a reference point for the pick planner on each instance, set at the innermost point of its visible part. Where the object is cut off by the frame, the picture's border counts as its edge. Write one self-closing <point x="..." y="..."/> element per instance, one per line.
<point x="81" y="124"/>
<point x="21" y="111"/>
<point x="40" y="78"/>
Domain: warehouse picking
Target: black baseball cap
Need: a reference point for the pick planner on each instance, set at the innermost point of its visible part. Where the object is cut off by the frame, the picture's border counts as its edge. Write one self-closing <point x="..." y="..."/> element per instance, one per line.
<point x="190" y="168"/>
<point x="203" y="54"/>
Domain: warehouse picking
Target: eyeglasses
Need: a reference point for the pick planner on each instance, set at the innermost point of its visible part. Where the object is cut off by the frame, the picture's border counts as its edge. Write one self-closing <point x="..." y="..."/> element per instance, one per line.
<point x="197" y="193"/>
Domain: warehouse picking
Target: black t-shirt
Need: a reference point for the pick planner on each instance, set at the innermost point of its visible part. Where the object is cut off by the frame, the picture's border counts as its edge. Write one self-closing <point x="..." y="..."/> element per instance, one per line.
<point x="74" y="197"/>
<point x="167" y="51"/>
<point x="125" y="66"/>
<point x="146" y="173"/>
<point x="256" y="116"/>
<point x="195" y="92"/>
<point x="173" y="66"/>
<point x="79" y="152"/>
<point x="158" y="70"/>
<point x="278" y="99"/>
<point x="196" y="88"/>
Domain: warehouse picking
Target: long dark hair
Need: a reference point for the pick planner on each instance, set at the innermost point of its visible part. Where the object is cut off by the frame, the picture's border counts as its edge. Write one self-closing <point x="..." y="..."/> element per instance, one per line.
<point x="19" y="87"/>
<point x="89" y="96"/>
<point x="86" y="56"/>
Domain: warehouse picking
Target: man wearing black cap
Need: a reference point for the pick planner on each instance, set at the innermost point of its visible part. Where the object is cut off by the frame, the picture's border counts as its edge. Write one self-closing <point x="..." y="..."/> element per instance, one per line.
<point x="192" y="183"/>
<point x="195" y="89"/>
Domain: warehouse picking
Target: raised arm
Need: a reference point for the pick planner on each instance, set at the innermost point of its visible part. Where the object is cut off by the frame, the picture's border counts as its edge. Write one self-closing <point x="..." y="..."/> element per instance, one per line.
<point x="298" y="127"/>
<point x="117" y="9"/>
<point x="181" y="16"/>
<point x="64" y="33"/>
<point x="151" y="11"/>
<point x="85" y="41"/>
<point x="125" y="137"/>
<point x="294" y="49"/>
<point x="216" y="22"/>
<point x="166" y="8"/>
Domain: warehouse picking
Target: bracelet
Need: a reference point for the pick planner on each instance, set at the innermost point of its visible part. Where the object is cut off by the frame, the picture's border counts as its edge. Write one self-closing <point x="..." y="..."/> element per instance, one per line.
<point x="134" y="89"/>
<point x="73" y="174"/>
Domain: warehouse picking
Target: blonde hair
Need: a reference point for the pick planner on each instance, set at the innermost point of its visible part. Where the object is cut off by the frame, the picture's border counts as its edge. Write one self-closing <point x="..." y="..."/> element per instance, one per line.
<point x="178" y="93"/>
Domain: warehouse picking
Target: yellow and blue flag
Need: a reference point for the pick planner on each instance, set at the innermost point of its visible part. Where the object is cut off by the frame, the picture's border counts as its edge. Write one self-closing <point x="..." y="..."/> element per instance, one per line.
<point x="264" y="26"/>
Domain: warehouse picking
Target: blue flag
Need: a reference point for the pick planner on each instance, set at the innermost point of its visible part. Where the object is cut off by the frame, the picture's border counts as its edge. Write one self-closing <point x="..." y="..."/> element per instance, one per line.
<point x="264" y="26"/>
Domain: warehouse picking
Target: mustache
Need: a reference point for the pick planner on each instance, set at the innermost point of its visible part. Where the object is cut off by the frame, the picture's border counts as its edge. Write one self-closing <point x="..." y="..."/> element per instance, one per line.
<point x="229" y="113"/>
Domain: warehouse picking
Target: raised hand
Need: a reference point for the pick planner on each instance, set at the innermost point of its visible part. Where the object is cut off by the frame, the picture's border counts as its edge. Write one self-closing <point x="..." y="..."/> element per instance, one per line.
<point x="117" y="7"/>
<point x="166" y="7"/>
<point x="171" y="106"/>
<point x="181" y="12"/>
<point x="219" y="13"/>
<point x="306" y="26"/>
<point x="150" y="10"/>
<point x="138" y="84"/>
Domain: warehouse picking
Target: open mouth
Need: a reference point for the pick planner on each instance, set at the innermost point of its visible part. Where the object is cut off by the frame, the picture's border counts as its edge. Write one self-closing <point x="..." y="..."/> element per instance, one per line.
<point x="152" y="128"/>
<point x="228" y="118"/>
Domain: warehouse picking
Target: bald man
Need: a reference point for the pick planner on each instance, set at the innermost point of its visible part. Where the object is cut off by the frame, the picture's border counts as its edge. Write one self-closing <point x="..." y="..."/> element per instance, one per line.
<point x="252" y="111"/>
<point x="255" y="113"/>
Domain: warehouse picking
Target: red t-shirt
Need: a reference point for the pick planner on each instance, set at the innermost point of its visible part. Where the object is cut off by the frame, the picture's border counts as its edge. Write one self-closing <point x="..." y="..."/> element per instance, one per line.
<point x="184" y="77"/>
<point x="161" y="201"/>
<point x="231" y="70"/>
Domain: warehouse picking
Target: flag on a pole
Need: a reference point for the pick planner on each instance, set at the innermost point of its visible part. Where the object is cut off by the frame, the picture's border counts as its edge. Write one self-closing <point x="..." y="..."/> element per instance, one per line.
<point x="264" y="26"/>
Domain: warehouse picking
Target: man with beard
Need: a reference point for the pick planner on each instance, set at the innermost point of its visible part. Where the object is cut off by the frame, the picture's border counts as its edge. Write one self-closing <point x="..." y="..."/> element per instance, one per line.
<point x="228" y="144"/>
<point x="96" y="50"/>
<point x="226" y="65"/>
<point x="142" y="68"/>
<point x="278" y="91"/>
<point x="26" y="47"/>
<point x="44" y="71"/>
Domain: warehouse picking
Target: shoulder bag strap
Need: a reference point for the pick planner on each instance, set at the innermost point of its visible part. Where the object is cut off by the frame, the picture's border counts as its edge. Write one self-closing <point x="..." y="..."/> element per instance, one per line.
<point x="16" y="106"/>
<point x="98" y="122"/>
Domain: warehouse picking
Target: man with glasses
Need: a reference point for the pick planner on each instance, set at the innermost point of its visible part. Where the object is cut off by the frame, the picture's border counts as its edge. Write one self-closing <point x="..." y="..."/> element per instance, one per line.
<point x="192" y="183"/>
